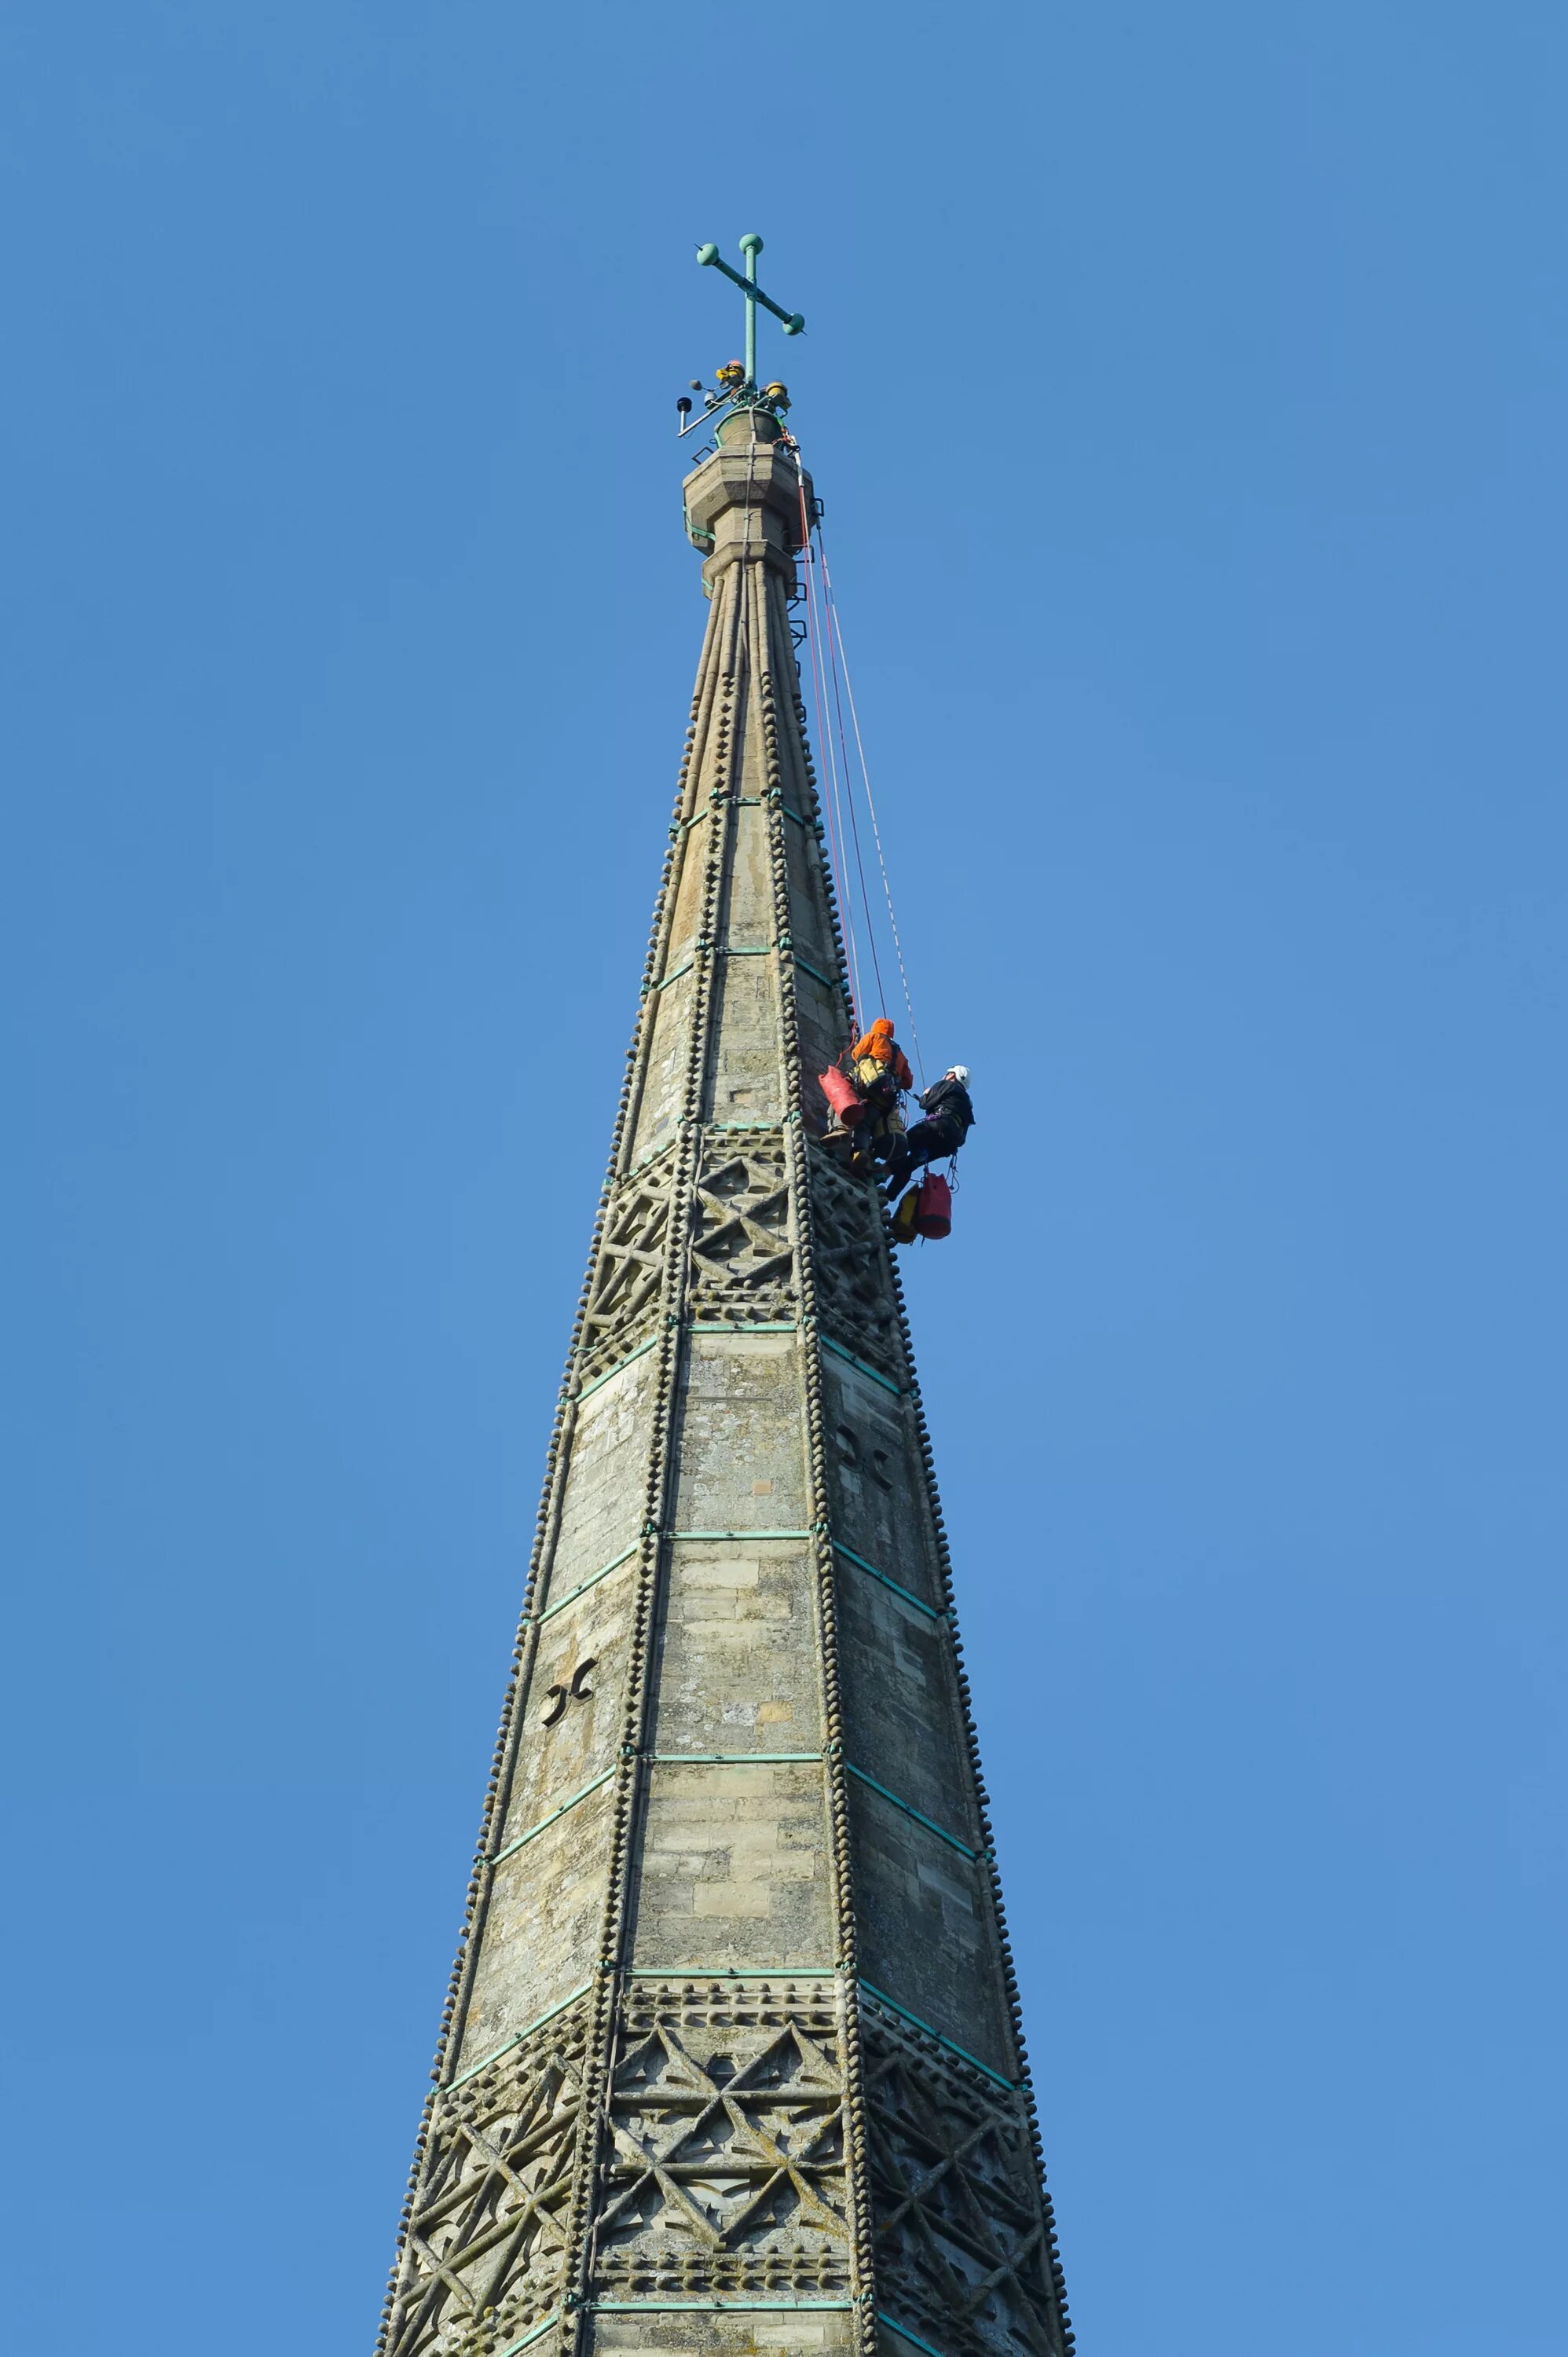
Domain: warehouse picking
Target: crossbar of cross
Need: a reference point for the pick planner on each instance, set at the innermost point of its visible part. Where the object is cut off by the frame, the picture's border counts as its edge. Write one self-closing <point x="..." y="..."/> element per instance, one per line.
<point x="751" y="246"/>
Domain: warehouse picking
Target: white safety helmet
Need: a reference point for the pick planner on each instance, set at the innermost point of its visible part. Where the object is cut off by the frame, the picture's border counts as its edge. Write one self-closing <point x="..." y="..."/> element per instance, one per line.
<point x="959" y="1072"/>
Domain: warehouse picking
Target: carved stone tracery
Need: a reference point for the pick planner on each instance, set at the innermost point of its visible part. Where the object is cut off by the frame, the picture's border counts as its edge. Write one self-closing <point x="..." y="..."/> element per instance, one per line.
<point x="743" y="1256"/>
<point x="959" y="2235"/>
<point x="484" y="2248"/>
<point x="725" y="2166"/>
<point x="623" y="1293"/>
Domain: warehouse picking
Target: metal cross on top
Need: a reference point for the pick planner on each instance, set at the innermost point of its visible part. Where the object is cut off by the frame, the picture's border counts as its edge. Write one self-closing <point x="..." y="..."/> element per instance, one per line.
<point x="751" y="246"/>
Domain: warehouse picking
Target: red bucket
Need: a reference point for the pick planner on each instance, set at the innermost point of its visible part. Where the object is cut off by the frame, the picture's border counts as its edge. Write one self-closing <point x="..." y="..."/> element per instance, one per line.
<point x="933" y="1208"/>
<point x="842" y="1097"/>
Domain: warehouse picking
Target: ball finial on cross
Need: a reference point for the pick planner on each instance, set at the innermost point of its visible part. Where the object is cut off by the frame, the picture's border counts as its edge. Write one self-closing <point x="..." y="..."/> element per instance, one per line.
<point x="751" y="246"/>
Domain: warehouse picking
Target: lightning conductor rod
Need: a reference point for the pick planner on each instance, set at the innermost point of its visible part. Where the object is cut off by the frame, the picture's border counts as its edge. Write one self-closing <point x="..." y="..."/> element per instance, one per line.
<point x="751" y="246"/>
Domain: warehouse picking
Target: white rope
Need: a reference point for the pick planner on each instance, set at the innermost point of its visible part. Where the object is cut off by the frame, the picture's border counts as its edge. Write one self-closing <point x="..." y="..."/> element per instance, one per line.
<point x="819" y="643"/>
<point x="831" y="606"/>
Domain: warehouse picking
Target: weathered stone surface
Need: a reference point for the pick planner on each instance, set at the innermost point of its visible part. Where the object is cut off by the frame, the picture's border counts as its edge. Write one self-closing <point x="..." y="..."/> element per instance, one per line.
<point x="738" y="1669"/>
<point x="732" y="1868"/>
<point x="542" y="1932"/>
<point x="740" y="1423"/>
<point x="731" y="2067"/>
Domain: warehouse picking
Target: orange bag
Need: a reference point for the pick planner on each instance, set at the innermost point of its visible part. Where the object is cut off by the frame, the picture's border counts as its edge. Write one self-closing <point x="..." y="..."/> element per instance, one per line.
<point x="934" y="1209"/>
<point x="842" y="1096"/>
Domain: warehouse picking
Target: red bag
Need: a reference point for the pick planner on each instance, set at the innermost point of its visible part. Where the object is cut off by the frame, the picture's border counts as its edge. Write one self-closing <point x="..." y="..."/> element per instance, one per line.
<point x="933" y="1207"/>
<point x="842" y="1096"/>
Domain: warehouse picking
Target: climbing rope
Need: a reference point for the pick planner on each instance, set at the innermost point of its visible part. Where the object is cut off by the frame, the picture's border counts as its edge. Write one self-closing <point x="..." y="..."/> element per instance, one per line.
<point x="849" y="792"/>
<point x="830" y="666"/>
<point x="817" y="639"/>
<point x="836" y="628"/>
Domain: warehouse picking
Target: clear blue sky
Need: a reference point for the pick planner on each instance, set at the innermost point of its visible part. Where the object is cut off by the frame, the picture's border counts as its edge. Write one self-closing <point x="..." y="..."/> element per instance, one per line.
<point x="1186" y="388"/>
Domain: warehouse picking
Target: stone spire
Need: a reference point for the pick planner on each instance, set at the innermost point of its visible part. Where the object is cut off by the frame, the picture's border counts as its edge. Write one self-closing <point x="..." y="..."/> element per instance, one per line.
<point x="731" y="2061"/>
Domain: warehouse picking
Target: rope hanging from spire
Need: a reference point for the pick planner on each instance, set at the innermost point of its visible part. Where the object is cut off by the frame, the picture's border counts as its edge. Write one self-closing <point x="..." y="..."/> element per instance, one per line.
<point x="831" y="689"/>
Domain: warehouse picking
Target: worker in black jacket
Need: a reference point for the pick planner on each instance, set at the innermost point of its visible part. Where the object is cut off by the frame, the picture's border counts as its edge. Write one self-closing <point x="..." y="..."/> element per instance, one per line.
<point x="950" y="1117"/>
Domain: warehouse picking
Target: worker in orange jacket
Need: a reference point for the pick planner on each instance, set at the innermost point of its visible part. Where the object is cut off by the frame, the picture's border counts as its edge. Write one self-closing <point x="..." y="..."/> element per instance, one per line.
<point x="880" y="1071"/>
<point x="877" y="1059"/>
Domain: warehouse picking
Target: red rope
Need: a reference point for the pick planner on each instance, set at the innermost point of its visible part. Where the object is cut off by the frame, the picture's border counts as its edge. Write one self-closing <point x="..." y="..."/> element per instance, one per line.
<point x="836" y="860"/>
<point x="831" y="623"/>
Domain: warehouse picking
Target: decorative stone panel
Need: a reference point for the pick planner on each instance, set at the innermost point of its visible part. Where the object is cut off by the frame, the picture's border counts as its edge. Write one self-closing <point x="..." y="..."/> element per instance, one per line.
<point x="486" y="2247"/>
<point x="742" y="1254"/>
<point x="623" y="1297"/>
<point x="960" y="2235"/>
<point x="725" y="2170"/>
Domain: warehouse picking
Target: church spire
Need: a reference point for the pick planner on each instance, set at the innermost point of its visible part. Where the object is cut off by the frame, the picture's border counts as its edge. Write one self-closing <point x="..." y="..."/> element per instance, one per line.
<point x="732" y="2061"/>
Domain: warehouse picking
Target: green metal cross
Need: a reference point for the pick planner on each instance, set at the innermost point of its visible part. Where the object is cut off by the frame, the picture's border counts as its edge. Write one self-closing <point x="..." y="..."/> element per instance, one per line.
<point x="751" y="246"/>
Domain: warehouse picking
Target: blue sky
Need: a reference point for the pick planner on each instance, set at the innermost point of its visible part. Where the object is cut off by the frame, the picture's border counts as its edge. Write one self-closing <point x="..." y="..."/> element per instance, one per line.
<point x="1185" y="391"/>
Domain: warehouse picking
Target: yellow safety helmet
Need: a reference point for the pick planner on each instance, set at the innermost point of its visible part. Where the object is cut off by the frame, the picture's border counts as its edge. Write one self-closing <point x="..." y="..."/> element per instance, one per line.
<point x="779" y="394"/>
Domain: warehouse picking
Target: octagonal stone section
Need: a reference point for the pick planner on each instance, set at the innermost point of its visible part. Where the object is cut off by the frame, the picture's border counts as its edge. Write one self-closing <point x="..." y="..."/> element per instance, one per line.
<point x="602" y="1507"/>
<point x="877" y="1481"/>
<point x="575" y="1702"/>
<point x="899" y="1678"/>
<point x="742" y="1435"/>
<point x="542" y="1926"/>
<point x="748" y="499"/>
<point x="738" y="1649"/>
<point x="732" y="1868"/>
<point x="927" y="1938"/>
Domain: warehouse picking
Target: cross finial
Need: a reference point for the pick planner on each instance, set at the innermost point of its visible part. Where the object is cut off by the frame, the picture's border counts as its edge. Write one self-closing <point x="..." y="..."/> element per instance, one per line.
<point x="751" y="246"/>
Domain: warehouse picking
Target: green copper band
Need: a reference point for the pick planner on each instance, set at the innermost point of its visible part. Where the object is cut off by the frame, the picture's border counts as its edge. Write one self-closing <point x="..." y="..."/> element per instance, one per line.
<point x="731" y="1972"/>
<point x="741" y="1535"/>
<point x="616" y="1368"/>
<point x="475" y="2068"/>
<point x="817" y="975"/>
<point x="744" y="1325"/>
<point x="551" y="1610"/>
<point x="735" y="1759"/>
<point x="840" y="1353"/>
<point x="951" y="2044"/>
<point x="931" y="1610"/>
<point x="710" y="2307"/>
<point x="905" y="2334"/>
<point x="513" y="2346"/>
<point x="909" y="1811"/>
<point x="545" y="1823"/>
